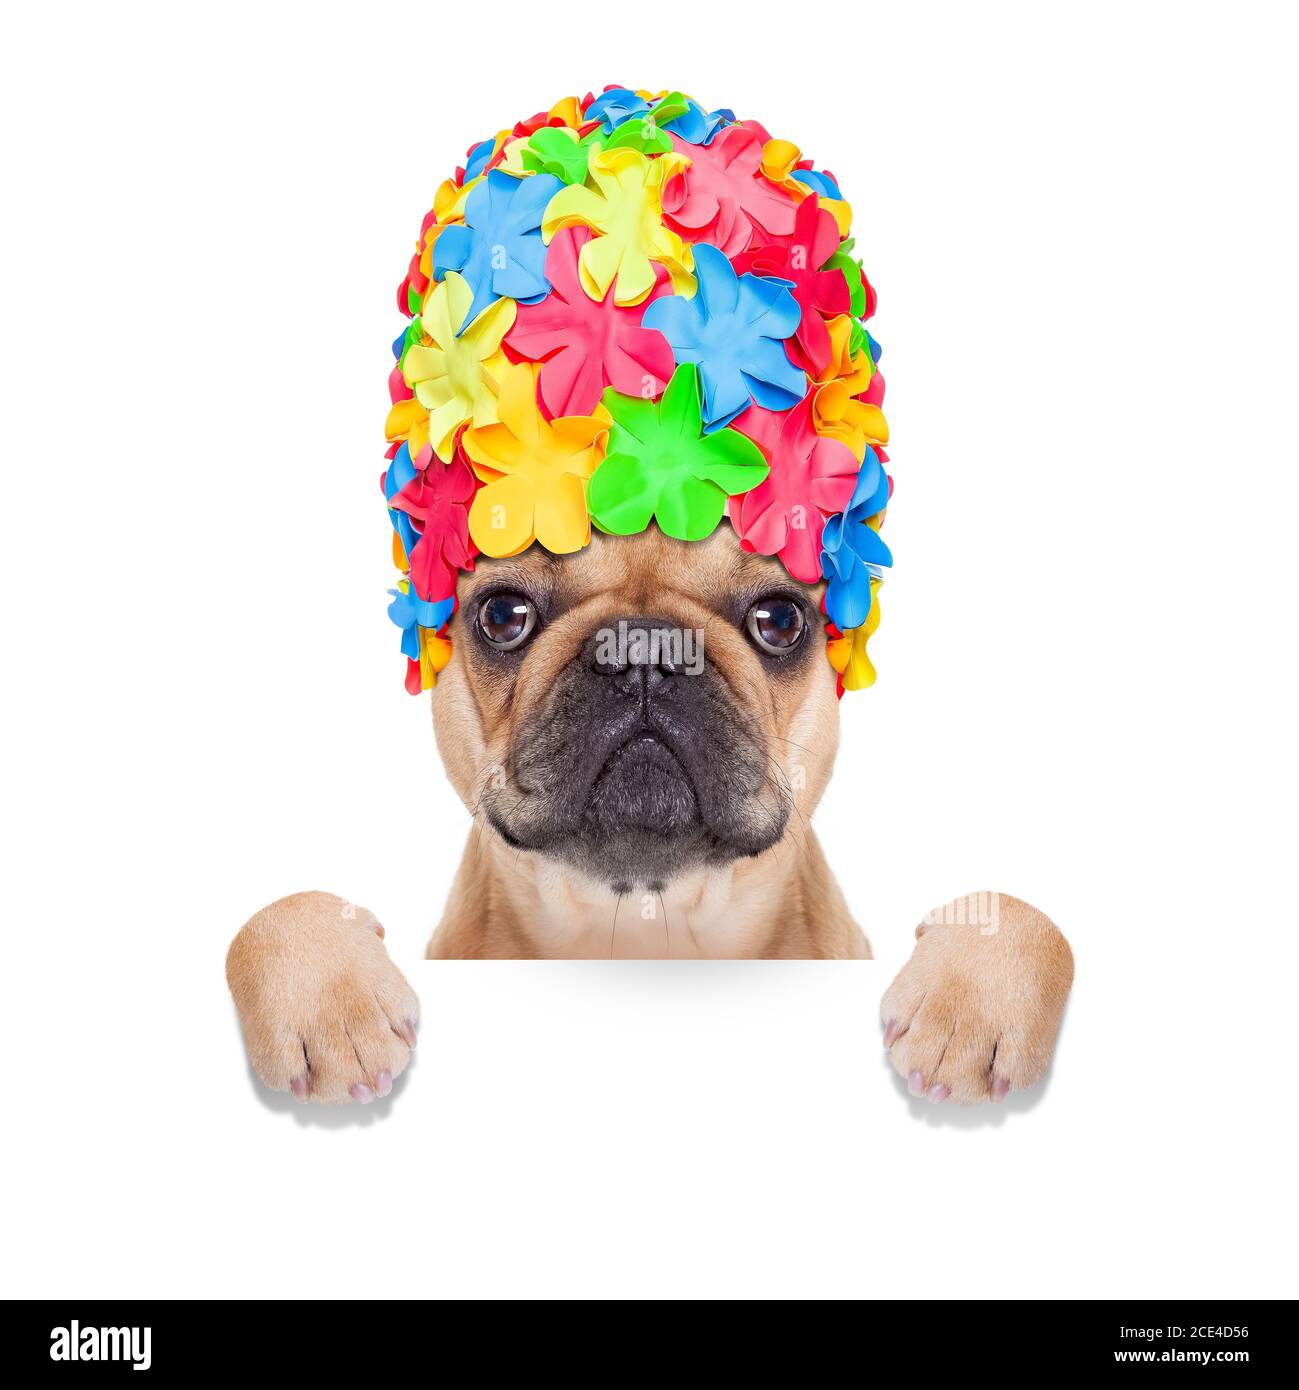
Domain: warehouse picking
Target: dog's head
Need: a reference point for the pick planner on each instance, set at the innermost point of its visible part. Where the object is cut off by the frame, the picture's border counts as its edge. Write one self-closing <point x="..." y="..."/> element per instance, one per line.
<point x="635" y="478"/>
<point x="639" y="708"/>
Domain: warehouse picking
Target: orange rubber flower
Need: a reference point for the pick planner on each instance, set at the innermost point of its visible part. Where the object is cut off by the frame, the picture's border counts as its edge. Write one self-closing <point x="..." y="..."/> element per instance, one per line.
<point x="837" y="414"/>
<point x="534" y="472"/>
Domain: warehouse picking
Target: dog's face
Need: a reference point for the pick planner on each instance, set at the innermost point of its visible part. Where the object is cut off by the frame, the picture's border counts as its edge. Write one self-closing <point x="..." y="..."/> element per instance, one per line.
<point x="640" y="708"/>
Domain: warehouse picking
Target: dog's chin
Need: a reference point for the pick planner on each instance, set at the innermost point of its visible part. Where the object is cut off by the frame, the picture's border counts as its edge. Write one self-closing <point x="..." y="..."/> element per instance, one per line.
<point x="644" y="824"/>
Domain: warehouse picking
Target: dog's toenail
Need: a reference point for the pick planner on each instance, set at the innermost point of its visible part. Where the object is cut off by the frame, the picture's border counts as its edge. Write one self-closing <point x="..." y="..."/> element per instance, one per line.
<point x="891" y="1033"/>
<point x="299" y="1087"/>
<point x="408" y="1032"/>
<point x="362" y="1094"/>
<point x="1000" y="1088"/>
<point x="916" y="1083"/>
<point x="383" y="1083"/>
<point x="938" y="1094"/>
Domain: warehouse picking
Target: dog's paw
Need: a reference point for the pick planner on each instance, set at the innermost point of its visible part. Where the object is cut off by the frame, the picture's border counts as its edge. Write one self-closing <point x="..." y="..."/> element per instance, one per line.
<point x="973" y="1014"/>
<point x="325" y="1012"/>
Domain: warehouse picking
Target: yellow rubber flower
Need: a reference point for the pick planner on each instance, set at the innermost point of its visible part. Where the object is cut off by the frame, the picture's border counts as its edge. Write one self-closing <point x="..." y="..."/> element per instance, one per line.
<point x="847" y="654"/>
<point x="625" y="209"/>
<point x="455" y="378"/>
<point x="450" y="199"/>
<point x="535" y="472"/>
<point x="408" y="420"/>
<point x="513" y="162"/>
<point x="434" y="653"/>
<point x="838" y="414"/>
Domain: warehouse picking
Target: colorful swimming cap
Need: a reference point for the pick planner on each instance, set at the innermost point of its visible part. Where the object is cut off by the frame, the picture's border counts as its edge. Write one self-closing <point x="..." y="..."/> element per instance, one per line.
<point x="628" y="309"/>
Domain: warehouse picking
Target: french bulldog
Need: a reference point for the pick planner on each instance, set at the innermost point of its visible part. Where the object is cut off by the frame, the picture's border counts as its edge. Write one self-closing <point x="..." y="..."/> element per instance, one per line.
<point x="641" y="731"/>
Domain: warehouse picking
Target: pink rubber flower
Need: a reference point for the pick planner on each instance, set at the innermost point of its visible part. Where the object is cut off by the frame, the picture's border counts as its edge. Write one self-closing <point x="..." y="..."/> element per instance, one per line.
<point x="821" y="294"/>
<point x="585" y="344"/>
<point x="723" y="197"/>
<point x="811" y="478"/>
<point x="437" y="499"/>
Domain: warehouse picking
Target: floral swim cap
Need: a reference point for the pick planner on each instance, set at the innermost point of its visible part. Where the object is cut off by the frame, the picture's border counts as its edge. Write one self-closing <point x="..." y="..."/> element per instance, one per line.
<point x="630" y="309"/>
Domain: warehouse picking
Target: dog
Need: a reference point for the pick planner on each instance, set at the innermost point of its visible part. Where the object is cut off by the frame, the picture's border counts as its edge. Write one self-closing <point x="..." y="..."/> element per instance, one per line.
<point x="628" y="802"/>
<point x="630" y="317"/>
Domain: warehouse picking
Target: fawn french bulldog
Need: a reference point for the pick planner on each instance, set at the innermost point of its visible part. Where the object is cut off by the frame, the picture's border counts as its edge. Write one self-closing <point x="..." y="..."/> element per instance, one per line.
<point x="641" y="731"/>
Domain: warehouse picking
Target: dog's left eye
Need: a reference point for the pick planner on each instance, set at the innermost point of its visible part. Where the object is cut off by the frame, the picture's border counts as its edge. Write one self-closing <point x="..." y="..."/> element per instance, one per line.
<point x="775" y="624"/>
<point x="507" y="620"/>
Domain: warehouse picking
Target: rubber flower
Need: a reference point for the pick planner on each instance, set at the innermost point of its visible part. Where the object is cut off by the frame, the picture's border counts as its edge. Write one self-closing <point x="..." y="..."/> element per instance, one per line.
<point x="407" y="421"/>
<point x="584" y="344"/>
<point x="454" y="376"/>
<point x="695" y="125"/>
<point x="661" y="466"/>
<point x="411" y="613"/>
<point x="400" y="471"/>
<point x="625" y="208"/>
<point x="477" y="157"/>
<point x="535" y="472"/>
<point x="820" y="294"/>
<point x="849" y="419"/>
<point x="555" y="150"/>
<point x="722" y="196"/>
<point x="614" y="106"/>
<point x="437" y="497"/>
<point x="861" y="296"/>
<point x="734" y="329"/>
<point x="842" y="364"/>
<point x="818" y="182"/>
<point x="811" y="477"/>
<point x="847" y="650"/>
<point x="498" y="248"/>
<point x="783" y="163"/>
<point x="851" y="546"/>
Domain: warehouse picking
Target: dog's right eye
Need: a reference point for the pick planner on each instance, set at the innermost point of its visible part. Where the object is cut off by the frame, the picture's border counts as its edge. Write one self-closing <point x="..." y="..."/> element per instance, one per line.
<point x="507" y="620"/>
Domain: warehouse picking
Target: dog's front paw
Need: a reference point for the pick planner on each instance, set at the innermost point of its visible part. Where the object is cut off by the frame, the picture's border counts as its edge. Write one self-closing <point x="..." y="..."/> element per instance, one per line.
<point x="974" y="1013"/>
<point x="325" y="1012"/>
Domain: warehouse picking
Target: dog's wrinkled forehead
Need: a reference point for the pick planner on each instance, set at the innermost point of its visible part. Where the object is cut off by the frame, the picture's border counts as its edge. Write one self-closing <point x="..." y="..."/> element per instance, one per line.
<point x="648" y="573"/>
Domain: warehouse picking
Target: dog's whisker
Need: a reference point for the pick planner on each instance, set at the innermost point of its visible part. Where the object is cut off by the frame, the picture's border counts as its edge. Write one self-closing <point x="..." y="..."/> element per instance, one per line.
<point x="613" y="930"/>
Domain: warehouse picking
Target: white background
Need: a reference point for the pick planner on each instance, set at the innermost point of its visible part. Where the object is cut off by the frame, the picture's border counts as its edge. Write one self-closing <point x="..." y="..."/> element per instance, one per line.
<point x="1082" y="229"/>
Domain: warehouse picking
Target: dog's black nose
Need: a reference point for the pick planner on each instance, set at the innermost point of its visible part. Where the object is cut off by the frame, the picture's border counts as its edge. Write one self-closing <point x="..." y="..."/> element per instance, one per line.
<point x="640" y="654"/>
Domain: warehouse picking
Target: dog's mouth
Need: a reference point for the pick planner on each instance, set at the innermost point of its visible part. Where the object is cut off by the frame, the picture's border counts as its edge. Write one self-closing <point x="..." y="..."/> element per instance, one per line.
<point x="638" y="792"/>
<point x="643" y="786"/>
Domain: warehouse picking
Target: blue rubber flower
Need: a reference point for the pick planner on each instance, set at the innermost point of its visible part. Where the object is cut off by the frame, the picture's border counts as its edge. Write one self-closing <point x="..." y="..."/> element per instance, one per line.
<point x="478" y="157"/>
<point x="498" y="250"/>
<point x="615" y="106"/>
<point x="818" y="183"/>
<point x="871" y="494"/>
<point x="852" y="553"/>
<point x="400" y="471"/>
<point x="734" y="329"/>
<point x="697" y="126"/>
<point x="410" y="613"/>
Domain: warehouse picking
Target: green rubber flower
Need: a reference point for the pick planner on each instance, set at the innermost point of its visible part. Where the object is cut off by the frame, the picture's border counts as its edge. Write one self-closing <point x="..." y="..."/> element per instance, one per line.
<point x="556" y="150"/>
<point x="661" y="466"/>
<point x="640" y="133"/>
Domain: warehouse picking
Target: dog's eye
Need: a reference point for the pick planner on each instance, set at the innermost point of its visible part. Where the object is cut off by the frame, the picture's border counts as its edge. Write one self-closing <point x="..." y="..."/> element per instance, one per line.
<point x="507" y="620"/>
<point x="776" y="625"/>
